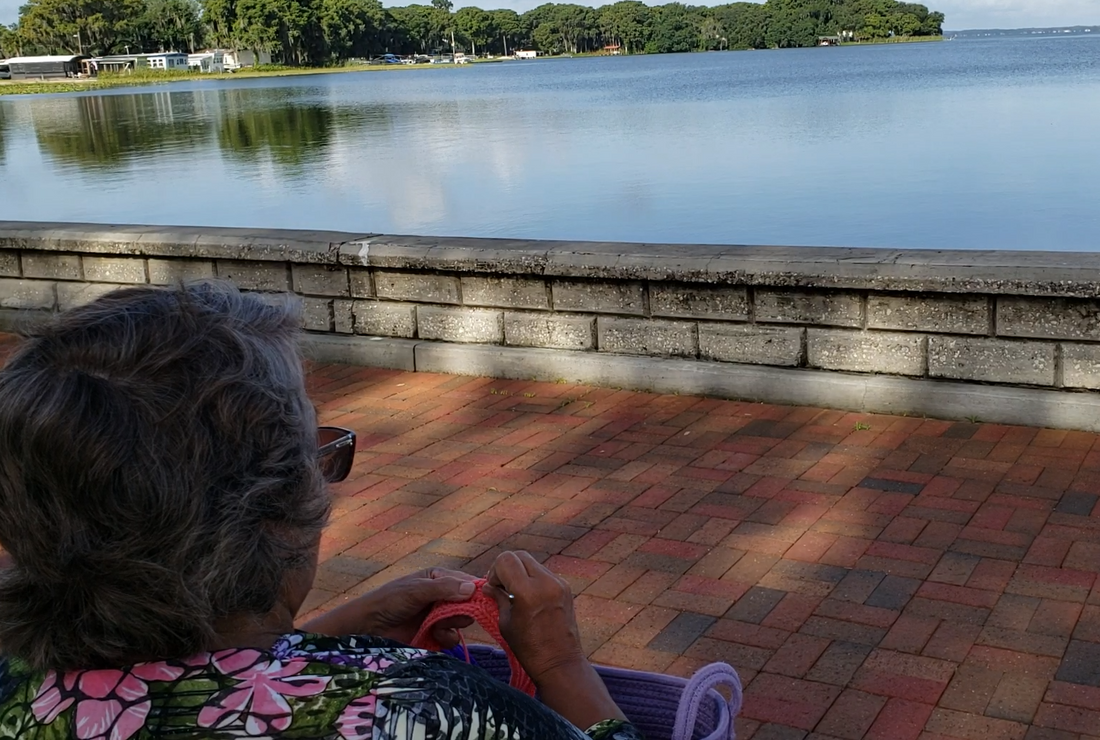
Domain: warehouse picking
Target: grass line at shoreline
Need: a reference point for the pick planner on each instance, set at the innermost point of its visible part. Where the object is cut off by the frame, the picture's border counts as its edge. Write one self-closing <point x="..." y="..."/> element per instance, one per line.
<point x="20" y="87"/>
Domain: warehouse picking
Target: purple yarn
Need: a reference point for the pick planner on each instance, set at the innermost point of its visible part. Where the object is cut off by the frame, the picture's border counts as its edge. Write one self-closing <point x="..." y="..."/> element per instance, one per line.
<point x="458" y="652"/>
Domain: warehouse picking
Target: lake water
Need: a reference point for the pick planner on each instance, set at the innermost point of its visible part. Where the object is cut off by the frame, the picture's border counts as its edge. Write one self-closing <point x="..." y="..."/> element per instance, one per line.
<point x="963" y="144"/>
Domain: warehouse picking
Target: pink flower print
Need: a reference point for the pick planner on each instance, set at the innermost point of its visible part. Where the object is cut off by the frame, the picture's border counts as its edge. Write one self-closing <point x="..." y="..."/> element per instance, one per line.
<point x="50" y="702"/>
<point x="157" y="671"/>
<point x="109" y="719"/>
<point x="356" y="722"/>
<point x="259" y="699"/>
<point x="202" y="660"/>
<point x="109" y="704"/>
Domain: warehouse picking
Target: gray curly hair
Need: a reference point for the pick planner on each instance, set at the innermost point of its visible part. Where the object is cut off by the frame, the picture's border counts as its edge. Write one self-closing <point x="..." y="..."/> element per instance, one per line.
<point x="157" y="473"/>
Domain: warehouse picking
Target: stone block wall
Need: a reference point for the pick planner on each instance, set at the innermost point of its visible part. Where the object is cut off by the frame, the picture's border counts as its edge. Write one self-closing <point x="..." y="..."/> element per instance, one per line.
<point x="1013" y="319"/>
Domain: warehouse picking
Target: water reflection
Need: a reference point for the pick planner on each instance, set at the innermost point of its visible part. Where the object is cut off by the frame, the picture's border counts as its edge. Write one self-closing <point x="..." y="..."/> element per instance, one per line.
<point x="109" y="130"/>
<point x="293" y="136"/>
<point x="3" y="129"/>
<point x="246" y="126"/>
<point x="875" y="147"/>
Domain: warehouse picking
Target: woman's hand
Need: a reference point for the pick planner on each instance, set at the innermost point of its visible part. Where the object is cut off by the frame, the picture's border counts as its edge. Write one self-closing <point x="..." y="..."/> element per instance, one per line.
<point x="537" y="621"/>
<point x="397" y="610"/>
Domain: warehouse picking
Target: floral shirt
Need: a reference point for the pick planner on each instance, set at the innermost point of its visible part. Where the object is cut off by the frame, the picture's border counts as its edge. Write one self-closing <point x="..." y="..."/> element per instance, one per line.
<point x="306" y="686"/>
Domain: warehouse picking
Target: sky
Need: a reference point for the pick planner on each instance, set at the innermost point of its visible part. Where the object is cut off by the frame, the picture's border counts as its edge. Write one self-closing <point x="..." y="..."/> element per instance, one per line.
<point x="961" y="14"/>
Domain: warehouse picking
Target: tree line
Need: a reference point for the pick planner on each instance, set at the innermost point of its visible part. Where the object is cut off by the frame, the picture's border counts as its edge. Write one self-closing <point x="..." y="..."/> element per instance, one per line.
<point x="326" y="32"/>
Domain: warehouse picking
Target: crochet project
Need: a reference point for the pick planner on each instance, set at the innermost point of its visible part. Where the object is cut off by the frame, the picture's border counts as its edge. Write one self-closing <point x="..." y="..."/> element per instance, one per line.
<point x="486" y="613"/>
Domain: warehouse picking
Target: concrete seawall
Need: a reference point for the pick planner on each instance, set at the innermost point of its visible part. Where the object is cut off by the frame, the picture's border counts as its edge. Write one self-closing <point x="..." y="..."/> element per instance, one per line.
<point x="1010" y="337"/>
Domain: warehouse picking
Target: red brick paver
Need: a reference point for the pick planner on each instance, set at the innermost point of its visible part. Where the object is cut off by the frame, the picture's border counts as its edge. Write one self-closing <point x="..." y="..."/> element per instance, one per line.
<point x="918" y="579"/>
<point x="914" y="579"/>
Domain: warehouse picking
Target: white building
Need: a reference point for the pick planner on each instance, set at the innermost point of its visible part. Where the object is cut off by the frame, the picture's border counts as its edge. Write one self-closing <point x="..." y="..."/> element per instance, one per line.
<point x="207" y="61"/>
<point x="166" y="61"/>
<point x="169" y="60"/>
<point x="526" y="54"/>
<point x="235" y="60"/>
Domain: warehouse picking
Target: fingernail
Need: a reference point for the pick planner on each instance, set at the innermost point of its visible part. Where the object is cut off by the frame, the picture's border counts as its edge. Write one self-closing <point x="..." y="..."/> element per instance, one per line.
<point x="466" y="589"/>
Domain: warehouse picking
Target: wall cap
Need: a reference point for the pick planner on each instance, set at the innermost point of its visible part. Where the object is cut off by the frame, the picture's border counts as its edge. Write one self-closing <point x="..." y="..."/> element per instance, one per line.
<point x="1045" y="274"/>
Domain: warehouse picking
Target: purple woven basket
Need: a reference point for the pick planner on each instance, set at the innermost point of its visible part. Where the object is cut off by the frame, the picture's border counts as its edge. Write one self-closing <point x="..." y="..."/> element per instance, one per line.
<point x="661" y="707"/>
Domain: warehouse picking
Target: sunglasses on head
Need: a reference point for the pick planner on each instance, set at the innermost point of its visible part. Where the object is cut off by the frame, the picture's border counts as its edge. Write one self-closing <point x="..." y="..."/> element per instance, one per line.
<point x="335" y="453"/>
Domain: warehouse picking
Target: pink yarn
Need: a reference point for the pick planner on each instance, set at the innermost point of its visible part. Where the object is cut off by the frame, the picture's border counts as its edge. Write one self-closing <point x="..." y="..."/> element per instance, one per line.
<point x="486" y="613"/>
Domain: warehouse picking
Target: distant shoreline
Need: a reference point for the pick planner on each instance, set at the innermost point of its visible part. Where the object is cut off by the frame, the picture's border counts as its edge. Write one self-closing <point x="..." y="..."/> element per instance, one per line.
<point x="64" y="86"/>
<point x="902" y="40"/>
<point x="1024" y="32"/>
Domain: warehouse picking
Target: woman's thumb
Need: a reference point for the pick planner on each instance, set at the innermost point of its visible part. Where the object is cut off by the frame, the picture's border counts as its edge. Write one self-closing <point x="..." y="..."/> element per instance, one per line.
<point x="452" y="589"/>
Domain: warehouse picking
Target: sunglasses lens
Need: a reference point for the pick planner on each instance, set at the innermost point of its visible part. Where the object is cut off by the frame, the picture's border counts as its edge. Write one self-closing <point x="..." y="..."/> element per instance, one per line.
<point x="336" y="466"/>
<point x="336" y="462"/>
<point x="328" y="435"/>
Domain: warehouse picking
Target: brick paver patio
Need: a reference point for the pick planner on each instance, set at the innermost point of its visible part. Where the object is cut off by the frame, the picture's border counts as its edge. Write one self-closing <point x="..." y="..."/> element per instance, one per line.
<point x="869" y="576"/>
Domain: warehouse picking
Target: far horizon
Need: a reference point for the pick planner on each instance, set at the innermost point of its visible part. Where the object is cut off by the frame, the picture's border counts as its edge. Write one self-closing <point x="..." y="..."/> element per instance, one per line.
<point x="1068" y="26"/>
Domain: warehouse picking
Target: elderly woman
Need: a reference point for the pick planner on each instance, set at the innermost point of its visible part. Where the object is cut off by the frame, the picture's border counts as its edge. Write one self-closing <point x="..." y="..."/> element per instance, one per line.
<point x="162" y="496"/>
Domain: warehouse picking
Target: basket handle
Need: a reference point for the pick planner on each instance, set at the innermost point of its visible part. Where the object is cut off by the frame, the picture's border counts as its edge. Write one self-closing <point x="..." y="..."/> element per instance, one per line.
<point x="691" y="700"/>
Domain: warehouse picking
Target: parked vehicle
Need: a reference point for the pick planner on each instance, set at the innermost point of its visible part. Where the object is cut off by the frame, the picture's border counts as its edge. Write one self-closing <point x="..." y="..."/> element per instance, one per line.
<point x="5" y="71"/>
